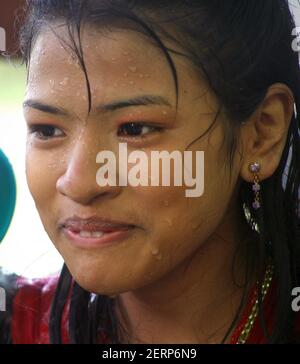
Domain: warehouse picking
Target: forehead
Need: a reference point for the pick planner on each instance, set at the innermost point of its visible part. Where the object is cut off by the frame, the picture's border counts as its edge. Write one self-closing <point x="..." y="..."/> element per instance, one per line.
<point x="116" y="61"/>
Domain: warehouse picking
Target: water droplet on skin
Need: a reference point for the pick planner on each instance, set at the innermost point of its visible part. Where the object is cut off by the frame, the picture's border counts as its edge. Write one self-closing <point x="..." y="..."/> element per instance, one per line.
<point x="131" y="83"/>
<point x="125" y="53"/>
<point x="52" y="165"/>
<point x="168" y="221"/>
<point x="125" y="74"/>
<point x="155" y="251"/>
<point x="159" y="257"/>
<point x="133" y="69"/>
<point x="141" y="75"/>
<point x="165" y="112"/>
<point x="166" y="203"/>
<point x="64" y="81"/>
<point x="52" y="83"/>
<point x="70" y="60"/>
<point x="113" y="59"/>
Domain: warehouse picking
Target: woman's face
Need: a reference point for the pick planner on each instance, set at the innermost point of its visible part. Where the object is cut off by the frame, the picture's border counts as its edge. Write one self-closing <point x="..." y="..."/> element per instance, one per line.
<point x="64" y="140"/>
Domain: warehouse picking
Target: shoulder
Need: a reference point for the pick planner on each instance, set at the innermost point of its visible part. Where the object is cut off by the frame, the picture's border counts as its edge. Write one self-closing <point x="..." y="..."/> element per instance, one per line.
<point x="31" y="310"/>
<point x="7" y="294"/>
<point x="27" y="313"/>
<point x="28" y="308"/>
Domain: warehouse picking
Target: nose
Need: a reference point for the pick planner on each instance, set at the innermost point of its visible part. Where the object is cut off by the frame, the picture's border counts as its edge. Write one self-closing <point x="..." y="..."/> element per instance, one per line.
<point x="79" y="182"/>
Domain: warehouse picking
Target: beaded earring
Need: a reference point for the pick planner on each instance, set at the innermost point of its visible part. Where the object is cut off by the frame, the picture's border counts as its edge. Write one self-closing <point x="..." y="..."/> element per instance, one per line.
<point x="255" y="168"/>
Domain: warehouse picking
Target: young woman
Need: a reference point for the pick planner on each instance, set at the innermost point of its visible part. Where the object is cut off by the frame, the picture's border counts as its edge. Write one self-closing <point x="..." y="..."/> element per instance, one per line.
<point x="147" y="264"/>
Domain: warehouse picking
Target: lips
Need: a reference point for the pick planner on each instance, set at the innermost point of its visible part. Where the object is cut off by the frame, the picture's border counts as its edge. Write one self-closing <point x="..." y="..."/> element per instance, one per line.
<point x="94" y="226"/>
<point x="94" y="231"/>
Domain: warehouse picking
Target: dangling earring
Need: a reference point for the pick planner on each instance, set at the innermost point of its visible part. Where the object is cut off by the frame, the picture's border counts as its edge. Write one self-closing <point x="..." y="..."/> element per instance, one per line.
<point x="255" y="168"/>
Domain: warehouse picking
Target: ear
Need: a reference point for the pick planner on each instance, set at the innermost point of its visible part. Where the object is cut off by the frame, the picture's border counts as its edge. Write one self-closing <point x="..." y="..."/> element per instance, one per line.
<point x="264" y="135"/>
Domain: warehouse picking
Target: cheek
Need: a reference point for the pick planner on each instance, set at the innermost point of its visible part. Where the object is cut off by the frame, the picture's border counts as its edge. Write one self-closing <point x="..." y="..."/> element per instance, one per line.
<point x="41" y="174"/>
<point x="178" y="225"/>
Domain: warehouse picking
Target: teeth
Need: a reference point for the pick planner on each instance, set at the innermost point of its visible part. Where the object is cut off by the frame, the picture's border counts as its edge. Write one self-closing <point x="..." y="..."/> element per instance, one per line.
<point x="97" y="234"/>
<point x="88" y="234"/>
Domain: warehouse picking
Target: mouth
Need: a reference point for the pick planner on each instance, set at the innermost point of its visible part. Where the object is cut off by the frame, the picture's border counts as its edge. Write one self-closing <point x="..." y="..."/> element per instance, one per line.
<point x="95" y="232"/>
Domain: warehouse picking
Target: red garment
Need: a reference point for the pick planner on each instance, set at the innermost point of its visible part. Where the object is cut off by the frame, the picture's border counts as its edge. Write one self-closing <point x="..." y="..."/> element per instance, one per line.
<point x="31" y="311"/>
<point x="32" y="307"/>
<point x="256" y="335"/>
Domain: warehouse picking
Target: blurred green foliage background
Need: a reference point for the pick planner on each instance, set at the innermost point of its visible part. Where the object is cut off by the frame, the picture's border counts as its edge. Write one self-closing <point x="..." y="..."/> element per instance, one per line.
<point x="12" y="82"/>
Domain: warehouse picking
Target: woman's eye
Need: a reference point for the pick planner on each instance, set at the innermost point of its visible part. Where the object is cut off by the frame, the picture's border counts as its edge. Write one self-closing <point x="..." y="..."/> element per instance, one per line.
<point x="136" y="129"/>
<point x="46" y="131"/>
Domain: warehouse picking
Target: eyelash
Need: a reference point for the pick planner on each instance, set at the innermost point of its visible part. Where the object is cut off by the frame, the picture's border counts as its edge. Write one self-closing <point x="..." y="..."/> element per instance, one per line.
<point x="40" y="129"/>
<point x="138" y="125"/>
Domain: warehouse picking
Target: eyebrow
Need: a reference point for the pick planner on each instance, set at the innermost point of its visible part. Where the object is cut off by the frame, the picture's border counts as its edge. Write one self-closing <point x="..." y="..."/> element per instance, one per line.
<point x="44" y="107"/>
<point x="144" y="100"/>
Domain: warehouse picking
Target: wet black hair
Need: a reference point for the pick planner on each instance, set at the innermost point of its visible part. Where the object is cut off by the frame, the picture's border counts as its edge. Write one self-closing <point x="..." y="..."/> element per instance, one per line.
<point x="241" y="48"/>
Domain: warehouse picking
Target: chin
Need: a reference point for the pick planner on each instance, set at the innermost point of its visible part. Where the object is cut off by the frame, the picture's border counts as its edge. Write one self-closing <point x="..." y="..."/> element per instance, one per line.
<point x="95" y="282"/>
